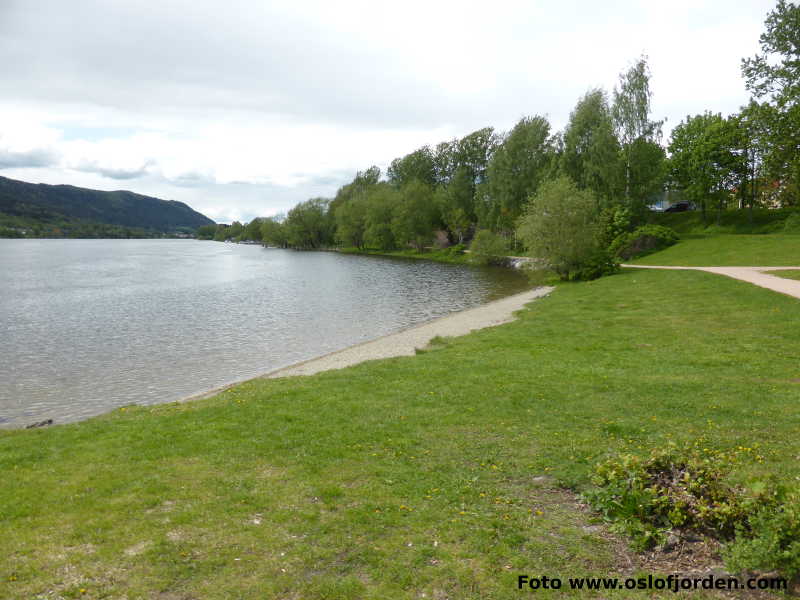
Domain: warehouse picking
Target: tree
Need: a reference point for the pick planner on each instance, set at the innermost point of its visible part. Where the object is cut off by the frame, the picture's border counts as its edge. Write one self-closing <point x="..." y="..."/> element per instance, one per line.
<point x="636" y="132"/>
<point x="252" y="231"/>
<point x="417" y="165"/>
<point x="775" y="76"/>
<point x="273" y="232"/>
<point x="414" y="216"/>
<point x="515" y="171"/>
<point x="380" y="204"/>
<point x="591" y="153"/>
<point x="350" y="219"/>
<point x="703" y="161"/>
<point x="560" y="228"/>
<point x="309" y="225"/>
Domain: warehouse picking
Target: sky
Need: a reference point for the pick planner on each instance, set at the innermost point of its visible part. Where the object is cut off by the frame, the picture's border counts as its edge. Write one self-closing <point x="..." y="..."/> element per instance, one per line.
<point x="244" y="108"/>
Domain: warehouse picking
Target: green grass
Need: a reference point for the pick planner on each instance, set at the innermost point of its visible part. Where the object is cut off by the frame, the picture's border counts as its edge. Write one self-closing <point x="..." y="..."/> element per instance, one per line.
<point x="788" y="274"/>
<point x="434" y="474"/>
<point x="731" y="221"/>
<point x="776" y="250"/>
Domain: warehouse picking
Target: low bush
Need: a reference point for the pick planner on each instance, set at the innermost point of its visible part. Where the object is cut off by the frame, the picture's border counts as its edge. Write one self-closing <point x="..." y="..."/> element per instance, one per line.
<point x="643" y="240"/>
<point x="792" y="223"/>
<point x="488" y="248"/>
<point x="688" y="490"/>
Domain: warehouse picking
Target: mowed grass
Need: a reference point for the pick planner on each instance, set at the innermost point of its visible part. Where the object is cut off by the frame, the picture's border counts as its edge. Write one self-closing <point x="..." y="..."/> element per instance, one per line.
<point x="730" y="250"/>
<point x="436" y="474"/>
<point x="787" y="274"/>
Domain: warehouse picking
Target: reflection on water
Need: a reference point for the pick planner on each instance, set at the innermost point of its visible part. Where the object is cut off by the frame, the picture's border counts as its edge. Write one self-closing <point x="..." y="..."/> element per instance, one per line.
<point x="90" y="325"/>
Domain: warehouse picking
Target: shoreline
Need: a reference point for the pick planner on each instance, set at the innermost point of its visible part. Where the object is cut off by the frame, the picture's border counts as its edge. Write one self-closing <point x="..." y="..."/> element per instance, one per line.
<point x="400" y="343"/>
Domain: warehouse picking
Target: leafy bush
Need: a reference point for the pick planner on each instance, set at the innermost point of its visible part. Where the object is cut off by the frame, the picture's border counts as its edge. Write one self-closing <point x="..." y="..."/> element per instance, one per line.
<point x="614" y="222"/>
<point x="643" y="240"/>
<point x="792" y="223"/>
<point x="647" y="497"/>
<point x="488" y="247"/>
<point x="771" y="541"/>
<point x="560" y="227"/>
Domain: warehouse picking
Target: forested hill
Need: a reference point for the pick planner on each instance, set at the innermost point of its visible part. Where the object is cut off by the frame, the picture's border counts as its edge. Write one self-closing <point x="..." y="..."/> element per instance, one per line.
<point x="50" y="204"/>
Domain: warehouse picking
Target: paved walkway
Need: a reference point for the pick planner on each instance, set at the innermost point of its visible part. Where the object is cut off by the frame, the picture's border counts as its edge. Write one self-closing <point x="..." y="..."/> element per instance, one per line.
<point x="754" y="275"/>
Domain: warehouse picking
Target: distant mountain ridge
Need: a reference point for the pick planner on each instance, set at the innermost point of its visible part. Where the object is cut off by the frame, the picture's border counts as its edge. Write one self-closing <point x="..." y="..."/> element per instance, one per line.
<point x="51" y="203"/>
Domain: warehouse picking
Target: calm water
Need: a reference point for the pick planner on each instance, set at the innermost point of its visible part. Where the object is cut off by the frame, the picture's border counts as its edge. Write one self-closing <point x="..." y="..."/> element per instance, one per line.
<point x="90" y="325"/>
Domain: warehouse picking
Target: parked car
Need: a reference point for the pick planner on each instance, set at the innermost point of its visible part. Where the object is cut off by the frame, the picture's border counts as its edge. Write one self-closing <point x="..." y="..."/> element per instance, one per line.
<point x="680" y="207"/>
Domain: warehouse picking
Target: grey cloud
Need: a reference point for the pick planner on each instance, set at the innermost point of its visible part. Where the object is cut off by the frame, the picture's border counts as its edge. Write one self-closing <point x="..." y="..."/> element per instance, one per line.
<point x="40" y="157"/>
<point x="264" y="61"/>
<point x="113" y="173"/>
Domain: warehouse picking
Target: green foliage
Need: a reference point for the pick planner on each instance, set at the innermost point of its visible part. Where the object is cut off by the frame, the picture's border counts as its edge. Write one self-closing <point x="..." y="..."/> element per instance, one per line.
<point x="488" y="248"/>
<point x="669" y="489"/>
<point x="419" y="165"/>
<point x="792" y="223"/>
<point x="773" y="77"/>
<point x="309" y="225"/>
<point x="273" y="232"/>
<point x="613" y="222"/>
<point x="414" y="217"/>
<point x="770" y="540"/>
<point x="516" y="170"/>
<point x="639" y="137"/>
<point x="591" y="156"/>
<point x="703" y="160"/>
<point x="688" y="490"/>
<point x="642" y="241"/>
<point x="560" y="228"/>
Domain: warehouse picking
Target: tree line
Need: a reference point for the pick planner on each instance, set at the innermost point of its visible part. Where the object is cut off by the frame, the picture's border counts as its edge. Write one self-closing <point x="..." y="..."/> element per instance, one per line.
<point x="482" y="186"/>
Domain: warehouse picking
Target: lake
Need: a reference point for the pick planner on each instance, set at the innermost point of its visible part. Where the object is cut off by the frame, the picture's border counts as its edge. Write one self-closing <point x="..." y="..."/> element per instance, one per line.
<point x="87" y="326"/>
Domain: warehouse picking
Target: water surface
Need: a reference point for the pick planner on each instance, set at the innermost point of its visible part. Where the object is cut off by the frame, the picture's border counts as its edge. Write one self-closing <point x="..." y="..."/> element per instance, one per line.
<point x="90" y="325"/>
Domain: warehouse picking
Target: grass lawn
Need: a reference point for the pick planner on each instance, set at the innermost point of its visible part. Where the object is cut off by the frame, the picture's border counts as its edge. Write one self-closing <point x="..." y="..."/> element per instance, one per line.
<point x="435" y="474"/>
<point x="788" y="274"/>
<point x="729" y="250"/>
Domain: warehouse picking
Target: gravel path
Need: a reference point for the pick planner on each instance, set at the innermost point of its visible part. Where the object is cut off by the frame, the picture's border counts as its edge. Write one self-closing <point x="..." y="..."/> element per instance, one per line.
<point x="404" y="343"/>
<point x="754" y="275"/>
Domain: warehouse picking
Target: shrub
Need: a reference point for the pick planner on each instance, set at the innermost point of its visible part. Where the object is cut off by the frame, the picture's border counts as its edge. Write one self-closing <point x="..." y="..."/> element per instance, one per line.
<point x="792" y="223"/>
<point x="643" y="240"/>
<point x="771" y="539"/>
<point x="647" y="497"/>
<point x="671" y="489"/>
<point x="488" y="248"/>
<point x="560" y="228"/>
<point x="614" y="222"/>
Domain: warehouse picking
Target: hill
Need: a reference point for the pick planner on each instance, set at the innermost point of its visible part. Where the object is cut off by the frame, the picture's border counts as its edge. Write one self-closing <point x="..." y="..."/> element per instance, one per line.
<point x="49" y="209"/>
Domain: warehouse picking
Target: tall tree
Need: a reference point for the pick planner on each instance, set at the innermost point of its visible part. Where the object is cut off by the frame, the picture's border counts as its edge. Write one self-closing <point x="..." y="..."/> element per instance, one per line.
<point x="414" y="216"/>
<point x="774" y="75"/>
<point x="637" y="134"/>
<point x="703" y="158"/>
<point x="591" y="153"/>
<point x="516" y="169"/>
<point x="309" y="225"/>
<point x="417" y="165"/>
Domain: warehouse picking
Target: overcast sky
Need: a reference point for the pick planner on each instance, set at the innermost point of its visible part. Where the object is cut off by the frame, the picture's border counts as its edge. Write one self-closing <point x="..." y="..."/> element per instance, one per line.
<point x="243" y="108"/>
